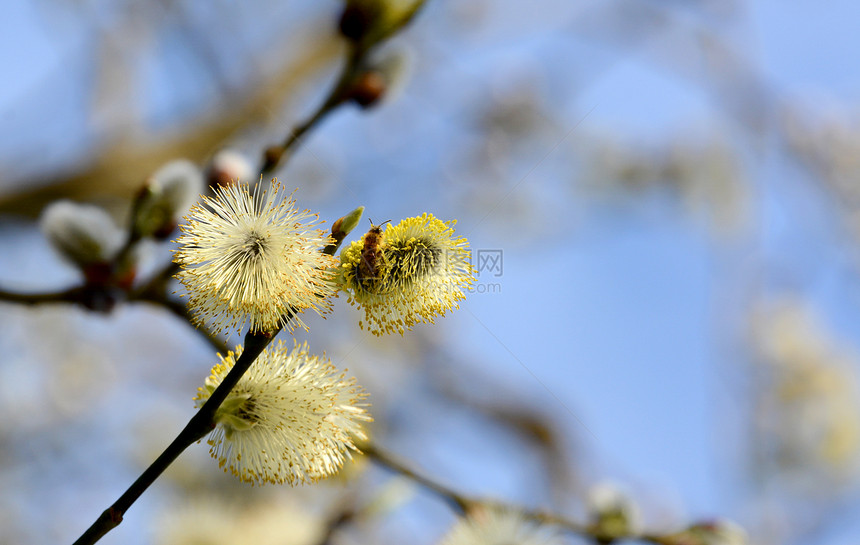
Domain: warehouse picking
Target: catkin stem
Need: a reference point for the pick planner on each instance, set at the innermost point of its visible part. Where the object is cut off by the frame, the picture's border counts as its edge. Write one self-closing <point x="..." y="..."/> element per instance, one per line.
<point x="197" y="428"/>
<point x="274" y="155"/>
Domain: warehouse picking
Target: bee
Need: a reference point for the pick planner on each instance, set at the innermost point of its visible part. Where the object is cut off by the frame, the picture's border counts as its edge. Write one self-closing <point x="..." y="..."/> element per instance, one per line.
<point x="371" y="254"/>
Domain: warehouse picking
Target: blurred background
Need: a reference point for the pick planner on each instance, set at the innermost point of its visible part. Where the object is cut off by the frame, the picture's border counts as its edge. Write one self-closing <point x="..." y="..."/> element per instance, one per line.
<point x="663" y="203"/>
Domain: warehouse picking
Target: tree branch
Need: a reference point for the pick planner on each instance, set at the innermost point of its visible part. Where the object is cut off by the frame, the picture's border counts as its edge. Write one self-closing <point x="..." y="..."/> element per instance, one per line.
<point x="71" y="295"/>
<point x="152" y="293"/>
<point x="457" y="501"/>
<point x="462" y="504"/>
<point x="197" y="428"/>
<point x="121" y="166"/>
<point x="202" y="422"/>
<point x="274" y="155"/>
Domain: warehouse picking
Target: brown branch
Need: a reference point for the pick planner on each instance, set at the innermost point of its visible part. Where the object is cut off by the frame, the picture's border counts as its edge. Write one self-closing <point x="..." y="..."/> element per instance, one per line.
<point x="71" y="295"/>
<point x="121" y="167"/>
<point x="339" y="93"/>
<point x="463" y="504"/>
<point x="180" y="309"/>
<point x="457" y="501"/>
<point x="197" y="428"/>
<point x="103" y="298"/>
<point x="201" y="423"/>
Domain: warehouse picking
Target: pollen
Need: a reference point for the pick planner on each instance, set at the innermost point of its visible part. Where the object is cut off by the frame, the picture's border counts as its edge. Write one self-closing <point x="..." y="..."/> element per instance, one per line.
<point x="292" y="418"/>
<point x="253" y="260"/>
<point x="422" y="271"/>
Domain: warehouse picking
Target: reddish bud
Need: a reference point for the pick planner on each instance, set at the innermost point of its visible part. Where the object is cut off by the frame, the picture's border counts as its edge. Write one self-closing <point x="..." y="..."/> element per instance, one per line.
<point x="335" y="227"/>
<point x="228" y="167"/>
<point x="219" y="178"/>
<point x="368" y="88"/>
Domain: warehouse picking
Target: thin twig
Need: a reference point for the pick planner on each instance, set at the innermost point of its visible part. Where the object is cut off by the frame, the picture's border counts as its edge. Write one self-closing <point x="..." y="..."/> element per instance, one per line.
<point x="275" y="155"/>
<point x="459" y="502"/>
<point x="180" y="309"/>
<point x="155" y="292"/>
<point x="71" y="295"/>
<point x="197" y="428"/>
<point x="462" y="504"/>
<point x="342" y="518"/>
<point x="200" y="424"/>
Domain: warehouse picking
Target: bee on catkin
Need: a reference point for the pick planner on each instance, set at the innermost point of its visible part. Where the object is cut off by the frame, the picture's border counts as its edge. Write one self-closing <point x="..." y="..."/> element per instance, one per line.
<point x="371" y="255"/>
<point x="417" y="270"/>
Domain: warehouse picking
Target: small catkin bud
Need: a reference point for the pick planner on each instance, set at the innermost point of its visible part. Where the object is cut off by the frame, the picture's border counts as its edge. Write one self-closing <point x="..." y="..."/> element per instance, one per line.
<point x="612" y="512"/>
<point x="495" y="525"/>
<point x="396" y="69"/>
<point x="383" y="79"/>
<point x="371" y="21"/>
<point x="718" y="532"/>
<point x="346" y="224"/>
<point x="357" y="19"/>
<point x="168" y="195"/>
<point x="83" y="234"/>
<point x="368" y="89"/>
<point x="228" y="167"/>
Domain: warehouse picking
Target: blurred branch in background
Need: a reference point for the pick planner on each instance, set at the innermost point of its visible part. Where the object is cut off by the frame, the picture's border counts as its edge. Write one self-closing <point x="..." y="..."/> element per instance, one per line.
<point x="697" y="42"/>
<point x="707" y="174"/>
<point x="826" y="144"/>
<point x="120" y="168"/>
<point x="564" y="457"/>
<point x="808" y="415"/>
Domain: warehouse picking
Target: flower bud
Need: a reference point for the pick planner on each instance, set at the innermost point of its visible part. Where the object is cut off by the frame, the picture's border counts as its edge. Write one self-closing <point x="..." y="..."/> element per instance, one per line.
<point x="368" y="88"/>
<point x="83" y="234"/>
<point x="369" y="22"/>
<point x="357" y="19"/>
<point x="396" y="69"/>
<point x="382" y="80"/>
<point x="612" y="512"/>
<point x="228" y="167"/>
<point x="717" y="532"/>
<point x="168" y="195"/>
<point x="344" y="226"/>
